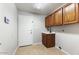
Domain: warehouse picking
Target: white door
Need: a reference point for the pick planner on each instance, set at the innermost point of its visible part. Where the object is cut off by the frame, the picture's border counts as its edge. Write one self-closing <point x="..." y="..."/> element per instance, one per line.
<point x="25" y="30"/>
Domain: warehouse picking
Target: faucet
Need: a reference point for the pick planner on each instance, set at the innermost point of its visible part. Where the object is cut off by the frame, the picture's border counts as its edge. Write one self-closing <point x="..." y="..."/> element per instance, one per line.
<point x="49" y="29"/>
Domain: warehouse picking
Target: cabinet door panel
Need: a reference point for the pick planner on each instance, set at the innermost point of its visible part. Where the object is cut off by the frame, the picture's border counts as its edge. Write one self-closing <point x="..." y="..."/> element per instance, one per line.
<point x="52" y="20"/>
<point x="43" y="39"/>
<point x="47" y="21"/>
<point x="50" y="40"/>
<point x="70" y="14"/>
<point x="58" y="17"/>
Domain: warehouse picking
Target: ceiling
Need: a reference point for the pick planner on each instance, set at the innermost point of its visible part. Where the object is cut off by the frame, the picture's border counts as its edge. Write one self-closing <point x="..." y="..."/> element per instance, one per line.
<point x="38" y="8"/>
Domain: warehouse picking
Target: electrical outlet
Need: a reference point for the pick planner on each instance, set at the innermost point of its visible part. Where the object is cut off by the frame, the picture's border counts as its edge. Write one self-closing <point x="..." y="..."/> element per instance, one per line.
<point x="63" y="30"/>
<point x="60" y="47"/>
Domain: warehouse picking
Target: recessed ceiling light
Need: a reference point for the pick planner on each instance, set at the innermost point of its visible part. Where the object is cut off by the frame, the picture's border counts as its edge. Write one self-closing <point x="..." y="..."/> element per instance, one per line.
<point x="40" y="5"/>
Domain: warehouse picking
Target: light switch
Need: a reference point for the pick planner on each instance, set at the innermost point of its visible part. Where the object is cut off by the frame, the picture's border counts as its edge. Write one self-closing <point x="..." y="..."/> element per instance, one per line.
<point x="32" y="21"/>
<point x="0" y="43"/>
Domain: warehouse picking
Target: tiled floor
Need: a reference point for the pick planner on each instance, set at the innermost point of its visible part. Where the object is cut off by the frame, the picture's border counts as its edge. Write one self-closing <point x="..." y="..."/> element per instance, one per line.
<point x="38" y="50"/>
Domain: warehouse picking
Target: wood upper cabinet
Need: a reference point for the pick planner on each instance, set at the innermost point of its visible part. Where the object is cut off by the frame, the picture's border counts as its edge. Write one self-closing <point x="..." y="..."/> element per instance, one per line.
<point x="67" y="14"/>
<point x="58" y="17"/>
<point x="49" y="20"/>
<point x="70" y="13"/>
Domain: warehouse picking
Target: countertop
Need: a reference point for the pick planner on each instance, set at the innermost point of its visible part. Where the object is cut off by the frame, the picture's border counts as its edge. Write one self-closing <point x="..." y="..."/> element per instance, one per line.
<point x="61" y="33"/>
<point x="49" y="32"/>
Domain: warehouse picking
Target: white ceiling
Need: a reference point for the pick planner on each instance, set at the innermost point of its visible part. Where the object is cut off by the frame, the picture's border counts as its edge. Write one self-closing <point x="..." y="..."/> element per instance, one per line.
<point x="44" y="9"/>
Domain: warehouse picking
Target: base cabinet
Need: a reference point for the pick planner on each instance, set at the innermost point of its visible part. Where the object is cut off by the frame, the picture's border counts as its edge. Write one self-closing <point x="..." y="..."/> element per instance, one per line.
<point x="48" y="40"/>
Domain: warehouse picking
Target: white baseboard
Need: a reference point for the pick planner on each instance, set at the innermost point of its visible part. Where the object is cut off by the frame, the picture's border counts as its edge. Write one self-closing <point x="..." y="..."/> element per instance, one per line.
<point x="37" y="43"/>
<point x="5" y="53"/>
<point x="18" y="47"/>
<point x="63" y="51"/>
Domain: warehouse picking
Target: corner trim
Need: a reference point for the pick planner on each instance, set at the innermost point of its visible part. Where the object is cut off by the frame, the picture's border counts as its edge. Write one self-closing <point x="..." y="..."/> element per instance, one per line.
<point x="15" y="50"/>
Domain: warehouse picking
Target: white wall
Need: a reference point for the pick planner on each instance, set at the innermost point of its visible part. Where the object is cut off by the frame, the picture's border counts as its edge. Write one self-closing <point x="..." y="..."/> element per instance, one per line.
<point x="69" y="39"/>
<point x="8" y="32"/>
<point x="72" y="28"/>
<point x="38" y="25"/>
<point x="68" y="42"/>
<point x="39" y="28"/>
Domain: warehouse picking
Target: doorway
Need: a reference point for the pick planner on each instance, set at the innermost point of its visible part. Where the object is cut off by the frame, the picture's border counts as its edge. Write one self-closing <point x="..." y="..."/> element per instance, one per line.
<point x="25" y="30"/>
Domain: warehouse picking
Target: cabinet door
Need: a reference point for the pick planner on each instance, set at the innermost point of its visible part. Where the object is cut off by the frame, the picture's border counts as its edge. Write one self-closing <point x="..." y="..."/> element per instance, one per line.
<point x="47" y="21"/>
<point x="51" y="20"/>
<point x="70" y="14"/>
<point x="50" y="40"/>
<point x="58" y="17"/>
<point x="43" y="39"/>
